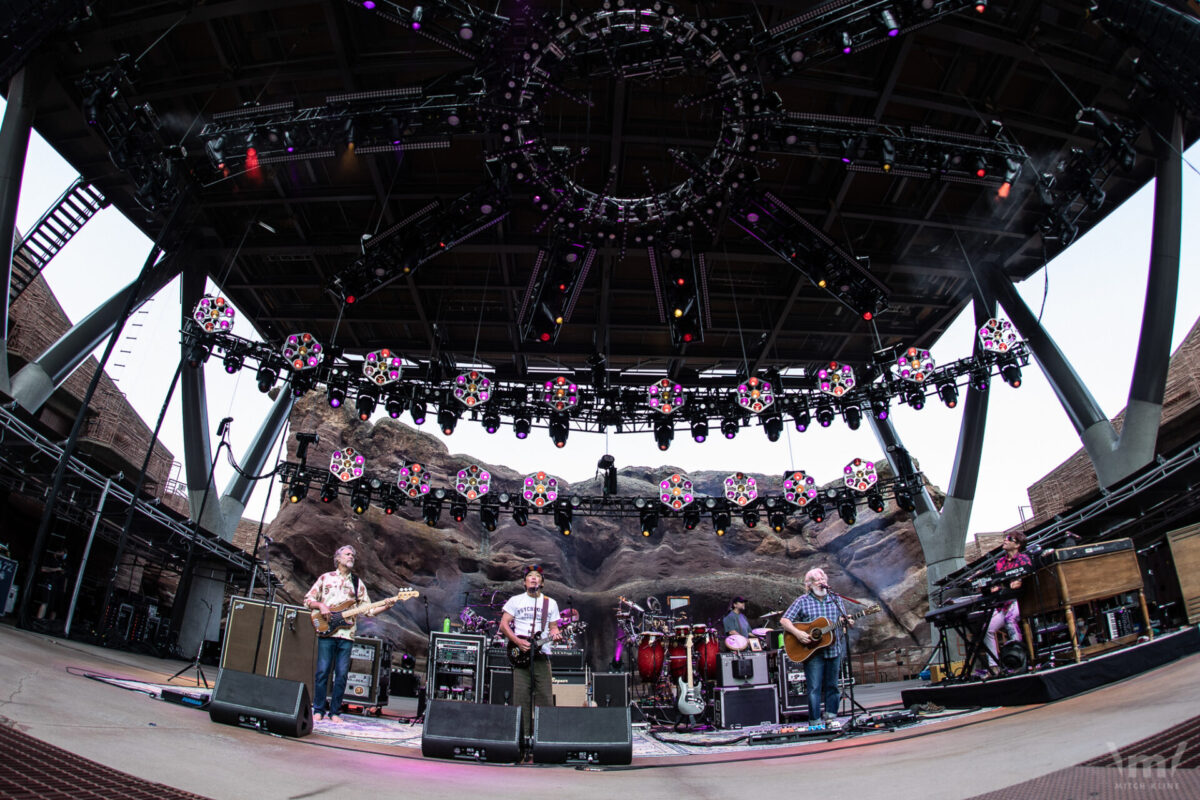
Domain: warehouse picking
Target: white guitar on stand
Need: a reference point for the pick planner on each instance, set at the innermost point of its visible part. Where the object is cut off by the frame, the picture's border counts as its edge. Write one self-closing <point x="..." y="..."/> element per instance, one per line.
<point x="689" y="703"/>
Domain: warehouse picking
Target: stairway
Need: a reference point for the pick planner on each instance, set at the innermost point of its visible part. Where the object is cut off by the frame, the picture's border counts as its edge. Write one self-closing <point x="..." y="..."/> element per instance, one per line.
<point x="79" y="203"/>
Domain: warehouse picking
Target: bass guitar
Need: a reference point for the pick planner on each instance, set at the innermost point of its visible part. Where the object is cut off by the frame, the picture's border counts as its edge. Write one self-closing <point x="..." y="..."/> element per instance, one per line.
<point x="689" y="702"/>
<point x="821" y="632"/>
<point x="343" y="614"/>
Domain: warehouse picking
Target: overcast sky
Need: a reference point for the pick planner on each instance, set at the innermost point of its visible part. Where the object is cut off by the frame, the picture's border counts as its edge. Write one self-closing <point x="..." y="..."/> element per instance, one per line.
<point x="1092" y="298"/>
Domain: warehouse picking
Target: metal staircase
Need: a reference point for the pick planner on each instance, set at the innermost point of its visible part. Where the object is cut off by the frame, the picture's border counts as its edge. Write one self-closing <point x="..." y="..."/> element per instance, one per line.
<point x="79" y="203"/>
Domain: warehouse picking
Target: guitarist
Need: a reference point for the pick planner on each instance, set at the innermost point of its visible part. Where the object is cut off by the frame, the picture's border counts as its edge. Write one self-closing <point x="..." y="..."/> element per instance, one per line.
<point x="333" y="651"/>
<point x="525" y="615"/>
<point x="822" y="669"/>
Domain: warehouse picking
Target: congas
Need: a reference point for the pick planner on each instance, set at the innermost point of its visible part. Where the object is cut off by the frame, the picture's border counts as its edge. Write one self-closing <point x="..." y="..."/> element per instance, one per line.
<point x="650" y="655"/>
<point x="677" y="653"/>
<point x="708" y="655"/>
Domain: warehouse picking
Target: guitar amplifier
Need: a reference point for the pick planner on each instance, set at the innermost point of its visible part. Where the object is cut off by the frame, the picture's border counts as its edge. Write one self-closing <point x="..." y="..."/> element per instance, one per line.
<point x="743" y="669"/>
<point x="570" y="658"/>
<point x="570" y="688"/>
<point x="746" y="706"/>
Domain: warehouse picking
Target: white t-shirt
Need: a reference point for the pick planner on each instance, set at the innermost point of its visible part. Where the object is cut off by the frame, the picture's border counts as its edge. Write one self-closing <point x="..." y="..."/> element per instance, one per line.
<point x="522" y="607"/>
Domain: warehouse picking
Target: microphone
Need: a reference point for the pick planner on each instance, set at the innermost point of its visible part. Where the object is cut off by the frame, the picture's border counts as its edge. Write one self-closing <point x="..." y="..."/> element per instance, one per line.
<point x="223" y="427"/>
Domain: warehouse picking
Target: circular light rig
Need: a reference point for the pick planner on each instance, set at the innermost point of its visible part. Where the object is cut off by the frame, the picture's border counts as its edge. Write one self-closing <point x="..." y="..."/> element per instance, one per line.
<point x="347" y="464"/>
<point x="302" y="351"/>
<point x="675" y="492"/>
<point x="860" y="475"/>
<point x="799" y="489"/>
<point x="755" y="395"/>
<point x="561" y="394"/>
<point x="914" y="366"/>
<point x="540" y="489"/>
<point x="413" y="480"/>
<point x="997" y="335"/>
<point x="381" y="367"/>
<point x="665" y="396"/>
<point x="473" y="482"/>
<point x="741" y="489"/>
<point x="214" y="314"/>
<point x="472" y="388"/>
<point x="835" y="379"/>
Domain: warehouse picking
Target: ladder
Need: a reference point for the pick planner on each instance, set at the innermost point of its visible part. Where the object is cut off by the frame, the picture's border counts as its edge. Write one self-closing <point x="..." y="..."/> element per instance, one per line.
<point x="79" y="203"/>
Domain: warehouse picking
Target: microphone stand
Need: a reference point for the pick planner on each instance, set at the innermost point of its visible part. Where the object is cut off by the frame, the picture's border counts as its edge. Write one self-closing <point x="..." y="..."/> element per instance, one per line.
<point x="267" y="601"/>
<point x="853" y="706"/>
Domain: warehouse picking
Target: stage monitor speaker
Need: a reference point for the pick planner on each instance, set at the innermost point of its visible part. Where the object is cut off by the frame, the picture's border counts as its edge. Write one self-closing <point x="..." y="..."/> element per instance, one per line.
<point x="471" y="731"/>
<point x="610" y="689"/>
<point x="258" y="701"/>
<point x="296" y="657"/>
<point x="500" y="687"/>
<point x="249" y="630"/>
<point x="582" y="735"/>
<point x="744" y="706"/>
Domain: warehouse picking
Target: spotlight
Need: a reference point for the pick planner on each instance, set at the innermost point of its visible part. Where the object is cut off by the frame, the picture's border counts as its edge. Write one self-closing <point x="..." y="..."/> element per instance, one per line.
<point x="729" y="427"/>
<point x="394" y="406"/>
<point x="360" y="500"/>
<point x="365" y="406"/>
<point x="1011" y="372"/>
<point x="466" y="32"/>
<point x="417" y="409"/>
<point x="458" y="509"/>
<point x="879" y="409"/>
<point x="778" y="521"/>
<point x="904" y="500"/>
<point x="197" y="355"/>
<point x="298" y="491"/>
<point x="699" y="430"/>
<point x="691" y="518"/>
<point x="720" y="521"/>
<point x="329" y="492"/>
<point x="447" y="419"/>
<point x="430" y="511"/>
<point x="981" y="6"/>
<point x="847" y="43"/>
<point x="491" y="420"/>
<point x="847" y="511"/>
<point x="233" y="363"/>
<point x="389" y="506"/>
<point x="980" y="379"/>
<point x="949" y="394"/>
<point x="559" y="429"/>
<point x="890" y="23"/>
<point x="649" y="520"/>
<point x="981" y="167"/>
<point x="337" y="395"/>
<point x="418" y="13"/>
<point x="521" y="425"/>
<point x="887" y="156"/>
<point x="562" y="517"/>
<point x="875" y="502"/>
<point x="664" y="431"/>
<point x="750" y="517"/>
<point x="266" y="379"/>
<point x="773" y="427"/>
<point x="488" y="517"/>
<point x="803" y="420"/>
<point x="816" y="512"/>
<point x="915" y="397"/>
<point x="825" y="415"/>
<point x="853" y="415"/>
<point x="520" y="515"/>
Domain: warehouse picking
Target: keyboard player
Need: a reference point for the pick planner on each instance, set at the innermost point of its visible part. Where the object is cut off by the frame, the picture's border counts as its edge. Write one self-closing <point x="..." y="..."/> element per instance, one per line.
<point x="1008" y="614"/>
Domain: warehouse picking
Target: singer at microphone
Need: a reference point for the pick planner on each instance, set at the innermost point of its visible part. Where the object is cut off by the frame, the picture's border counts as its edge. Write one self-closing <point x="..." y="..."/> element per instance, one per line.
<point x="821" y="645"/>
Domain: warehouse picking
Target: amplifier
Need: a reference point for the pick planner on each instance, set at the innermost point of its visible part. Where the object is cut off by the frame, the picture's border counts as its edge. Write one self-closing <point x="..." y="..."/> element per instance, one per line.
<point x="367" y="680"/>
<point x="570" y="688"/>
<point x="455" y="666"/>
<point x="1097" y="549"/>
<point x="745" y="706"/>
<point x="743" y="669"/>
<point x="566" y="658"/>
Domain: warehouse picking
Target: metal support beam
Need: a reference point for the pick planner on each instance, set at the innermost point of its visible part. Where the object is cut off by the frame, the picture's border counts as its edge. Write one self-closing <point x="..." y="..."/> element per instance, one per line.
<point x="197" y="456"/>
<point x="35" y="382"/>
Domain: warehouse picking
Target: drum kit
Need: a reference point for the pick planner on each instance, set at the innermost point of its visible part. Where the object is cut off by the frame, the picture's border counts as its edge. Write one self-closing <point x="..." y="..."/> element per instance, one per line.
<point x="761" y="638"/>
<point x="662" y="643"/>
<point x="483" y="618"/>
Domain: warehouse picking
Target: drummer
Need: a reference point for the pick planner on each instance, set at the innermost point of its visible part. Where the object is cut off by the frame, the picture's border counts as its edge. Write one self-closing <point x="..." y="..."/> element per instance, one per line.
<point x="735" y="621"/>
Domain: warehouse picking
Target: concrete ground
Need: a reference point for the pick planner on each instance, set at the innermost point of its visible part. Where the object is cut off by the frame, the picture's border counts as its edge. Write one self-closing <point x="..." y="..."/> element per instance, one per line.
<point x="43" y="694"/>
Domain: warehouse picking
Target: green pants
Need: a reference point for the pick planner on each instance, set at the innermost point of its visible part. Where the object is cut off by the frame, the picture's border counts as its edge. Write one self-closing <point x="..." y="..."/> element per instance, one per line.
<point x="543" y="689"/>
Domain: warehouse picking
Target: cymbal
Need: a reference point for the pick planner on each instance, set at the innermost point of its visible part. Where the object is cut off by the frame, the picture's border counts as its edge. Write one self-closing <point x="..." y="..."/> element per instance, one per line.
<point x="769" y="614"/>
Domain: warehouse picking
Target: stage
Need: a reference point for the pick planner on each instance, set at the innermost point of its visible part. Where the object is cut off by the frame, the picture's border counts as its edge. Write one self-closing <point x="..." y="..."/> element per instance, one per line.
<point x="47" y="696"/>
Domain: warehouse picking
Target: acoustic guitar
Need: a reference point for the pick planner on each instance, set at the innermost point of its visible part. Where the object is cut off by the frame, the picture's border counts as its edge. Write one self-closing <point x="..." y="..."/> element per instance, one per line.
<point x="821" y="630"/>
<point x="343" y="614"/>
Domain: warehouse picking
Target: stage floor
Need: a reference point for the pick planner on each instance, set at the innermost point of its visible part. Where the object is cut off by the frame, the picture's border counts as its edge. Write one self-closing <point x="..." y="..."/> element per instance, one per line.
<point x="45" y="693"/>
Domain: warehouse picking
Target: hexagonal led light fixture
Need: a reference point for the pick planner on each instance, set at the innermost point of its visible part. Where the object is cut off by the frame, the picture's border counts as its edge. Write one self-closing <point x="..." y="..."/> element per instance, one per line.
<point x="302" y="351"/>
<point x="540" y="489"/>
<point x="561" y="394"/>
<point x="799" y="489"/>
<point x="755" y="395"/>
<point x="835" y="379"/>
<point x="914" y="366"/>
<point x="214" y="314"/>
<point x="997" y="335"/>
<point x="381" y="367"/>
<point x="860" y="475"/>
<point x="473" y="482"/>
<point x="347" y="464"/>
<point x="413" y="480"/>
<point x="676" y="492"/>
<point x="472" y="388"/>
<point x="740" y="488"/>
<point x="666" y="396"/>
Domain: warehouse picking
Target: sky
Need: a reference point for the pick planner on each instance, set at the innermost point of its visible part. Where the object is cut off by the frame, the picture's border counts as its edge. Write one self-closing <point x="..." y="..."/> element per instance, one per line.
<point x="1091" y="295"/>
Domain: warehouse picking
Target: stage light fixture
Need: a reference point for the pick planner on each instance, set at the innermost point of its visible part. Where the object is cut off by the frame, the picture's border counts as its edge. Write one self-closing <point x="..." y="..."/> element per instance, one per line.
<point x="699" y="429"/>
<point x="329" y="491"/>
<point x="778" y="520"/>
<point x="997" y="335"/>
<point x="887" y="154"/>
<point x="649" y="521"/>
<point x="266" y="379"/>
<point x="772" y="426"/>
<point x="720" y="520"/>
<point x="1010" y="371"/>
<point x="879" y="408"/>
<point x="365" y="405"/>
<point x="233" y="362"/>
<point x="522" y="425"/>
<point x="847" y="511"/>
<point x="949" y="394"/>
<point x="562" y="517"/>
<point x="418" y="14"/>
<point x="458" y="509"/>
<point x="520" y="516"/>
<point x="755" y="395"/>
<point x="803" y="419"/>
<point x="297" y="491"/>
<point x="389" y="506"/>
<point x="890" y="23"/>
<point x="491" y="420"/>
<point x="394" y="406"/>
<point x="302" y="352"/>
<point x="914" y="396"/>
<point x="980" y="379"/>
<point x="465" y="31"/>
<point x="347" y="464"/>
<point x="853" y="417"/>
<point x="431" y="510"/>
<point x="875" y="502"/>
<point x="213" y="315"/>
<point x="381" y="367"/>
<point x="336" y="394"/>
<point x="418" y="411"/>
<point x="447" y="420"/>
<point x="846" y="42"/>
<point x="664" y="432"/>
<point x="816" y="512"/>
<point x="488" y="517"/>
<point x="750" y="518"/>
<point x="981" y="6"/>
<point x="197" y="355"/>
<point x="904" y="500"/>
<point x="799" y="489"/>
<point x="981" y="167"/>
<point x="560" y="428"/>
<point x="691" y="518"/>
<point x="665" y="396"/>
<point x="360" y="500"/>
<point x="729" y="427"/>
<point x="472" y="388"/>
<point x="825" y="415"/>
<point x="835" y="379"/>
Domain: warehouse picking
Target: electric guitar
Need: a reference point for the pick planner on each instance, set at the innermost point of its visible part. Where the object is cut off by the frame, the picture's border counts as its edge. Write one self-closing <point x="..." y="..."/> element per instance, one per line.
<point x="821" y="631"/>
<point x="523" y="658"/>
<point x="689" y="703"/>
<point x="343" y="614"/>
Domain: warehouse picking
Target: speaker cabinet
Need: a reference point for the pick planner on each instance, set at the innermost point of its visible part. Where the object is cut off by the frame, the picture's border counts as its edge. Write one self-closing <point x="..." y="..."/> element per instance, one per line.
<point x="250" y="630"/>
<point x="570" y="688"/>
<point x="583" y="735"/>
<point x="610" y="689"/>
<point x="296" y="658"/>
<point x="744" y="706"/>
<point x="257" y="701"/>
<point x="500" y="687"/>
<point x="471" y="731"/>
<point x="366" y="680"/>
<point x="743" y="669"/>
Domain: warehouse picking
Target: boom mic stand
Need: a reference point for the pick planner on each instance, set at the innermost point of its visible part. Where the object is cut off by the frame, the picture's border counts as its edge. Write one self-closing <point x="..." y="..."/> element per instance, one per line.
<point x="852" y="706"/>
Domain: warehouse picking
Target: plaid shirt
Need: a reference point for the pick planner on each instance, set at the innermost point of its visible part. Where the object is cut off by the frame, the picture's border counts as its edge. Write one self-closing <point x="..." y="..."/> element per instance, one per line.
<point x="808" y="607"/>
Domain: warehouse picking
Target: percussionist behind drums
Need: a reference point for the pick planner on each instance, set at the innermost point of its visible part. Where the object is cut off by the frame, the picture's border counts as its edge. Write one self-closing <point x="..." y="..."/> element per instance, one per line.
<point x="737" y="627"/>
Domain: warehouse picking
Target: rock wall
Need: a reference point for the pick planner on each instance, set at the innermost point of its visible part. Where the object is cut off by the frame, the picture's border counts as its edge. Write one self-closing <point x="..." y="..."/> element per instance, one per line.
<point x="877" y="560"/>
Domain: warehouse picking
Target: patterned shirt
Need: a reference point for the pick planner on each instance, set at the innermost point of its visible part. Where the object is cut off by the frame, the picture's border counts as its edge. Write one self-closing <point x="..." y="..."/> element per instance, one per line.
<point x="808" y="607"/>
<point x="333" y="589"/>
<point x="1004" y="563"/>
